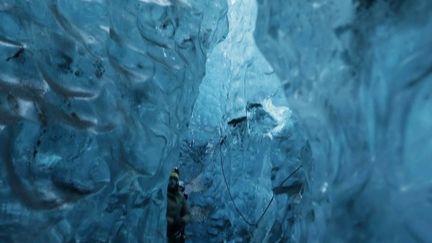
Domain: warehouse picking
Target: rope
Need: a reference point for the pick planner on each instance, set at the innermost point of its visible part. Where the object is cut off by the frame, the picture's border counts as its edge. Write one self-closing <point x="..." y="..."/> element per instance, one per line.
<point x="231" y="197"/>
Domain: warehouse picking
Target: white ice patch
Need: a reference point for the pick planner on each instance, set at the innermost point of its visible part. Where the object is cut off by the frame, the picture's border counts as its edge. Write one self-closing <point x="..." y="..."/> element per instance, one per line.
<point x="46" y="161"/>
<point x="158" y="2"/>
<point x="324" y="187"/>
<point x="27" y="109"/>
<point x="105" y="28"/>
<point x="281" y="114"/>
<point x="96" y="1"/>
<point x="317" y="5"/>
<point x="8" y="79"/>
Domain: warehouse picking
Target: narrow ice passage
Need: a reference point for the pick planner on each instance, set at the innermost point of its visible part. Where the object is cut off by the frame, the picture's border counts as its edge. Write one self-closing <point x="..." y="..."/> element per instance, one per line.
<point x="289" y="120"/>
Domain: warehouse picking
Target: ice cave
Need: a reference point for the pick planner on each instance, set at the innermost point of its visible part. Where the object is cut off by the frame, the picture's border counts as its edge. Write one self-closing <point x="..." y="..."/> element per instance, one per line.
<point x="287" y="120"/>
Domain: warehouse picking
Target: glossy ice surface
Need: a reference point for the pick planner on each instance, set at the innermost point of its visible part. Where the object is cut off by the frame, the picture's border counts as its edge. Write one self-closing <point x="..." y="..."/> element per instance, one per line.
<point x="290" y="121"/>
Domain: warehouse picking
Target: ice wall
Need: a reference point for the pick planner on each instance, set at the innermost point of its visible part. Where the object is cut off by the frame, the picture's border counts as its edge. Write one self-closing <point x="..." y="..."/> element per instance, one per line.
<point x="358" y="74"/>
<point x="243" y="143"/>
<point x="93" y="98"/>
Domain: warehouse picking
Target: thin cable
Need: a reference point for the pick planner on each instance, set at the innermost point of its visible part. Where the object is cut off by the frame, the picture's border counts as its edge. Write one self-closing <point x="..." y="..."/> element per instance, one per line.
<point x="231" y="197"/>
<point x="292" y="173"/>
<point x="228" y="188"/>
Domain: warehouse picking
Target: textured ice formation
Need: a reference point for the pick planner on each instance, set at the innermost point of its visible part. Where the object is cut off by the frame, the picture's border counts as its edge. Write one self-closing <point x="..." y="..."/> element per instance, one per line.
<point x="358" y="75"/>
<point x="93" y="98"/>
<point x="292" y="121"/>
<point x="242" y="143"/>
<point x="241" y="182"/>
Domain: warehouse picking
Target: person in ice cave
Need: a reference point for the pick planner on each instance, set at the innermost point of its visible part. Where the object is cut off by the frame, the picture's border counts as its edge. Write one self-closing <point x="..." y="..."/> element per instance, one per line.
<point x="178" y="214"/>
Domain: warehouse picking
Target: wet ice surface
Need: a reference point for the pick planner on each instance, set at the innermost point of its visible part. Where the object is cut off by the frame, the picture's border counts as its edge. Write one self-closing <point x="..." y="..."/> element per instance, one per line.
<point x="357" y="78"/>
<point x="99" y="98"/>
<point x="362" y="87"/>
<point x="93" y="98"/>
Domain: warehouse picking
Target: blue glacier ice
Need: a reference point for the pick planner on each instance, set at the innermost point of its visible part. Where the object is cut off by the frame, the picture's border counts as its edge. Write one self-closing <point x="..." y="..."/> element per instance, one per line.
<point x="290" y="121"/>
<point x="94" y="97"/>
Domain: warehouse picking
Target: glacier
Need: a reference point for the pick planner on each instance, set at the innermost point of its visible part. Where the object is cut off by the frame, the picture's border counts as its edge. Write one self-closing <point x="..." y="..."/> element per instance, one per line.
<point x="290" y="121"/>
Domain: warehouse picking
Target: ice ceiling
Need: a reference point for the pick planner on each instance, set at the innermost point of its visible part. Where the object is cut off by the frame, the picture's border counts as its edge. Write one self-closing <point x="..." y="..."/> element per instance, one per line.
<point x="291" y="121"/>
